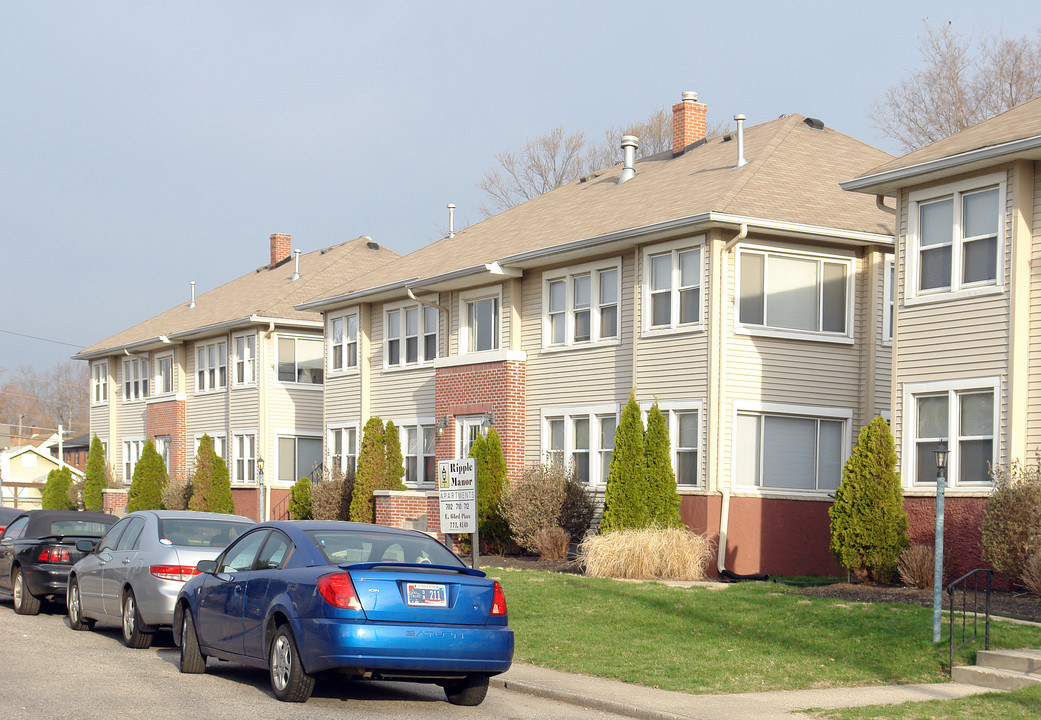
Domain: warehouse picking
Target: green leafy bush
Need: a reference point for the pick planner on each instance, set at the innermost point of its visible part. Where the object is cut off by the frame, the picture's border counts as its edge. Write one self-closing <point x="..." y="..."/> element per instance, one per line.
<point x="625" y="500"/>
<point x="150" y="479"/>
<point x="1011" y="525"/>
<point x="300" y="499"/>
<point x="212" y="483"/>
<point x="492" y="528"/>
<point x="55" y="495"/>
<point x="96" y="479"/>
<point x="868" y="520"/>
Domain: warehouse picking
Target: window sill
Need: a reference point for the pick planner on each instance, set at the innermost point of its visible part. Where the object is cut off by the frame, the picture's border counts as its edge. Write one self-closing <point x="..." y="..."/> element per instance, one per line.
<point x="407" y="368"/>
<point x="663" y="331"/>
<point x="344" y="372"/>
<point x="950" y="295"/>
<point x="780" y="334"/>
<point x="597" y="345"/>
<point x="967" y="491"/>
<point x="168" y="397"/>
<point x="244" y="386"/>
<point x="299" y="386"/>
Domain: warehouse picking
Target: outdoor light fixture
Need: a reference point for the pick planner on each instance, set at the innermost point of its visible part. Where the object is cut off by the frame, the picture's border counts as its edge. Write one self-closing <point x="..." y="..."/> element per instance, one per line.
<point x="260" y="465"/>
<point x="941" y="454"/>
<point x="488" y="421"/>
<point x="441" y="426"/>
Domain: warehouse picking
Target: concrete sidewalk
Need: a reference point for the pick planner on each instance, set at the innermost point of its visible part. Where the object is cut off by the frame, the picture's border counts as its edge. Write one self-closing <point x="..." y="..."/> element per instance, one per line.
<point x="641" y="702"/>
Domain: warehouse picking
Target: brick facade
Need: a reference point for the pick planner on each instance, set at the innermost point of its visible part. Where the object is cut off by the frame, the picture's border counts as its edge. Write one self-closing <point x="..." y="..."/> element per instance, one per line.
<point x="114" y="500"/>
<point x="170" y="418"/>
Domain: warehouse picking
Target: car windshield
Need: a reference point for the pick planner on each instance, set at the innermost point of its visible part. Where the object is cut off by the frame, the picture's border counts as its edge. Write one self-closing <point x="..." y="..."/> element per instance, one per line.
<point x="342" y="547"/>
<point x="200" y="532"/>
<point x="79" y="528"/>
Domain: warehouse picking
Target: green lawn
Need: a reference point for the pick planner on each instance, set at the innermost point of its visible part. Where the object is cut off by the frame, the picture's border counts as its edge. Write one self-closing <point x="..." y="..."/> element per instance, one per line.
<point x="1024" y="703"/>
<point x="746" y="637"/>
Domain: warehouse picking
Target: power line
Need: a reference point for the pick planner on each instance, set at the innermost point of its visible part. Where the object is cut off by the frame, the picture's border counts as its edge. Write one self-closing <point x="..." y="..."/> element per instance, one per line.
<point x="34" y="337"/>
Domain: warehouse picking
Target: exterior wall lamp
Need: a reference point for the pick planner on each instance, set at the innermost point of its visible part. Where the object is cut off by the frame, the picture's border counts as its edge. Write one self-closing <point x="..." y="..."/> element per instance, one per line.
<point x="488" y="420"/>
<point x="441" y="426"/>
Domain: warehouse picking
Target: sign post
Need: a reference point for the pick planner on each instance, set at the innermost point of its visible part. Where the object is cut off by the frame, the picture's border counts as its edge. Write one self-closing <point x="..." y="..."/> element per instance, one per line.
<point x="457" y="493"/>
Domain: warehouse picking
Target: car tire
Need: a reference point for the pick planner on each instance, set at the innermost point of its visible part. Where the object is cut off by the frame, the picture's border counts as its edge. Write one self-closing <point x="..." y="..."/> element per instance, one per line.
<point x="469" y="691"/>
<point x="192" y="659"/>
<point x="289" y="682"/>
<point x="74" y="603"/>
<point x="25" y="603"/>
<point x="133" y="636"/>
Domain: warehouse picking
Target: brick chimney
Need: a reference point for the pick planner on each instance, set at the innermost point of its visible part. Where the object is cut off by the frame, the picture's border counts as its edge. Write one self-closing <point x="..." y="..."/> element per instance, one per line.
<point x="688" y="122"/>
<point x="281" y="247"/>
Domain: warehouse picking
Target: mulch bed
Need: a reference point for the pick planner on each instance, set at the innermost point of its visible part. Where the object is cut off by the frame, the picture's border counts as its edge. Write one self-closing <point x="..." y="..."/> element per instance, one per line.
<point x="1022" y="606"/>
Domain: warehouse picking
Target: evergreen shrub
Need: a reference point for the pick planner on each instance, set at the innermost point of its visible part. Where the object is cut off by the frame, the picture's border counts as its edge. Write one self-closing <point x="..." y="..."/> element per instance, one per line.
<point x="96" y="477"/>
<point x="211" y="490"/>
<point x="55" y="495"/>
<point x="625" y="500"/>
<point x="149" y="481"/>
<point x="300" y="500"/>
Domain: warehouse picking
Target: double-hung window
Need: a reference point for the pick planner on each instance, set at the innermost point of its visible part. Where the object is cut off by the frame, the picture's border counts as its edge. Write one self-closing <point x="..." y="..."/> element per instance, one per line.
<point x="956" y="237"/>
<point x="672" y="286"/>
<point x="343" y="342"/>
<point x="343" y="447"/>
<point x="245" y="445"/>
<point x="245" y="359"/>
<point x="964" y="414"/>
<point x="135" y="379"/>
<point x="795" y="293"/>
<point x="417" y="445"/>
<point x="164" y="374"/>
<point x="789" y="448"/>
<point x="411" y="335"/>
<point x="300" y="360"/>
<point x="480" y="320"/>
<point x="99" y="383"/>
<point x="582" y="439"/>
<point x="211" y="366"/>
<point x="581" y="305"/>
<point x="131" y="454"/>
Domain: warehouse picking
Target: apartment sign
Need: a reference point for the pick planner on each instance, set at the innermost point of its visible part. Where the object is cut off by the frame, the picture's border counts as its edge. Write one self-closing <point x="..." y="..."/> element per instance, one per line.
<point x="457" y="491"/>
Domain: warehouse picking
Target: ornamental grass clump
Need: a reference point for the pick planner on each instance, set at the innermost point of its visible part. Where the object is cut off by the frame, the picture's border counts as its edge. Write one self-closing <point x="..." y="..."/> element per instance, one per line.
<point x="552" y="543"/>
<point x="650" y="554"/>
<point x="916" y="566"/>
<point x="1031" y="577"/>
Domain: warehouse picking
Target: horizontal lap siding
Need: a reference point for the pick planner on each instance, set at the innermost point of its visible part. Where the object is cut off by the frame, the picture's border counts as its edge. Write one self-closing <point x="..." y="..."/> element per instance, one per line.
<point x="342" y="398"/>
<point x="398" y="393"/>
<point x="295" y="409"/>
<point x="207" y="413"/>
<point x="1034" y="383"/>
<point x="245" y="407"/>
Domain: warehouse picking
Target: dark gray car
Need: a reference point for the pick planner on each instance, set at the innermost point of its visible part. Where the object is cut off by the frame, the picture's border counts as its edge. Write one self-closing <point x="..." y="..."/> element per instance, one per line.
<point x="134" y="574"/>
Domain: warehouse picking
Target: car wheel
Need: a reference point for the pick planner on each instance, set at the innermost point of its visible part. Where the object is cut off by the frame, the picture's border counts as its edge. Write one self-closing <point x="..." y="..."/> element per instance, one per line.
<point x="25" y="603"/>
<point x="192" y="659"/>
<point x="469" y="691"/>
<point x="76" y="619"/>
<point x="288" y="680"/>
<point x="133" y="637"/>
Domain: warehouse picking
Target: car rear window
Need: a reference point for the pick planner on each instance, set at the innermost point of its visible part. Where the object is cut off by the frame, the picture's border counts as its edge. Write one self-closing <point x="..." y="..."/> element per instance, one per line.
<point x="342" y="547"/>
<point x="203" y="532"/>
<point x="79" y="528"/>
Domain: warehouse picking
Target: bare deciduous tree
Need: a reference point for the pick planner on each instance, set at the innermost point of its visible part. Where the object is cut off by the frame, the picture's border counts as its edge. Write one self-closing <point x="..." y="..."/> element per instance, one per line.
<point x="958" y="86"/>
<point x="46" y="399"/>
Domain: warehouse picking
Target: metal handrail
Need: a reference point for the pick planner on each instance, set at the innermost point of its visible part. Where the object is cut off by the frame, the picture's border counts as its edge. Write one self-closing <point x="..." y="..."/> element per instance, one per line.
<point x="963" y="581"/>
<point x="281" y="511"/>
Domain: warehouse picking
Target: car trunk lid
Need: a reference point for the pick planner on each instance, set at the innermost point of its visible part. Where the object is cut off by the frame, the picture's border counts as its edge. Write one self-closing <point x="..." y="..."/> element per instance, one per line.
<point x="403" y="592"/>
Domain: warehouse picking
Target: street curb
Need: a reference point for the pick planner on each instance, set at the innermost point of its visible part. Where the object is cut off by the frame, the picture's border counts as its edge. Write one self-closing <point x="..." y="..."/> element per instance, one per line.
<point x="581" y="700"/>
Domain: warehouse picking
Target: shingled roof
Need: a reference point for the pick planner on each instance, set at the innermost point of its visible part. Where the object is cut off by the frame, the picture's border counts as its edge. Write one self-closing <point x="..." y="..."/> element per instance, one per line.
<point x="267" y="293"/>
<point x="792" y="176"/>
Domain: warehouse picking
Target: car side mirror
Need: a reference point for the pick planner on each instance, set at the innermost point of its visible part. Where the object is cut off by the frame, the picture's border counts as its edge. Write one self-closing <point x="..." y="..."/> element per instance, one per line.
<point x="85" y="546"/>
<point x="207" y="566"/>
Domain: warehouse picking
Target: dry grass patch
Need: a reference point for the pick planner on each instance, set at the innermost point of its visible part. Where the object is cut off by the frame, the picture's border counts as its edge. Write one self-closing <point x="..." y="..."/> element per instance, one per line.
<point x="916" y="566"/>
<point x="653" y="554"/>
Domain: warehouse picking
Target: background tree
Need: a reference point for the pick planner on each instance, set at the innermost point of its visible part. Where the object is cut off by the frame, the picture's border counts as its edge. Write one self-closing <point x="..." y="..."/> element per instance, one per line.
<point x="150" y="479"/>
<point x="868" y="520"/>
<point x="625" y="500"/>
<point x="492" y="528"/>
<point x="55" y="494"/>
<point x="96" y="481"/>
<point x="663" y="502"/>
<point x="371" y="471"/>
<point x="300" y="500"/>
<point x="395" y="463"/>
<point x="46" y="399"/>
<point x="211" y="484"/>
<point x="958" y="85"/>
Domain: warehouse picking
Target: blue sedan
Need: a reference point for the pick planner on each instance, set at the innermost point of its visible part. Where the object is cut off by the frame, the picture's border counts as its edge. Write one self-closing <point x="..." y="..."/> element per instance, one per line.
<point x="305" y="597"/>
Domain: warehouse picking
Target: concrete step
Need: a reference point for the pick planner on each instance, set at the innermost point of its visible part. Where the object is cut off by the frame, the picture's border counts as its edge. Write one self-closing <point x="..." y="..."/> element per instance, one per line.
<point x="1023" y="661"/>
<point x="992" y="677"/>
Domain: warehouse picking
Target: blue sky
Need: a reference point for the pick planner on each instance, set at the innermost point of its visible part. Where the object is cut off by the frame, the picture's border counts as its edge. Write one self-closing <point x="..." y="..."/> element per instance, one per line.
<point x="147" y="144"/>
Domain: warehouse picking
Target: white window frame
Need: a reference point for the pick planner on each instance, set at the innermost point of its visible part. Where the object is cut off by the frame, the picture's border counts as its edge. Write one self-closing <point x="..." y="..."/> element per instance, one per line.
<point x="296" y="338"/>
<point x="346" y="343"/>
<point x="341" y="459"/>
<point x="99" y="383"/>
<point x="912" y="294"/>
<point x="422" y="331"/>
<point x="135" y="379"/>
<point x="674" y="248"/>
<point x="211" y="378"/>
<point x="888" y="299"/>
<point x="465" y="331"/>
<point x="567" y="276"/>
<point x="670" y="409"/>
<point x="162" y="446"/>
<point x="593" y="413"/>
<point x="420" y="426"/>
<point x="821" y="335"/>
<point x="160" y="378"/>
<point x="244" y="360"/>
<point x="132" y="449"/>
<point x="953" y="389"/>
<point x="247" y="474"/>
<point x="807" y="412"/>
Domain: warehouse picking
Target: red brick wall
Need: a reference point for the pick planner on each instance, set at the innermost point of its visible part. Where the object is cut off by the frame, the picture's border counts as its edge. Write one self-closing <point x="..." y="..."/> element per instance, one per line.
<point x="169" y="418"/>
<point x="247" y="501"/>
<point x="114" y="500"/>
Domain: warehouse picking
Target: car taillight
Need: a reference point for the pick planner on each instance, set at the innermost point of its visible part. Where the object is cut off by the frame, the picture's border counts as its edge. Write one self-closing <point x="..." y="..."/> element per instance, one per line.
<point x="55" y="555"/>
<point x="180" y="573"/>
<point x="498" y="601"/>
<point x="338" y="591"/>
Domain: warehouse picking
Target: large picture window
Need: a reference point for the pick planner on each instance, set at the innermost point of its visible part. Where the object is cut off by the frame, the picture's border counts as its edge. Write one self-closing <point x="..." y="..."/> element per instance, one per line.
<point x="298" y="457"/>
<point x="798" y="293"/>
<point x="672" y="286"/>
<point x="581" y="305"/>
<point x="300" y="360"/>
<point x="211" y="366"/>
<point x="964" y="414"/>
<point x="789" y="451"/>
<point x="411" y="335"/>
<point x="955" y="236"/>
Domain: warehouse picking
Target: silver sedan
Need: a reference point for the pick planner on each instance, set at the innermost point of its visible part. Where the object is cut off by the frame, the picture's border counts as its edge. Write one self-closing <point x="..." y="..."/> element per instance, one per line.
<point x="133" y="575"/>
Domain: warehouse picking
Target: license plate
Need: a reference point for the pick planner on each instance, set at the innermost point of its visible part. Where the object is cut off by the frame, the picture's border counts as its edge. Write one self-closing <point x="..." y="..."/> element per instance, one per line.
<point x="426" y="595"/>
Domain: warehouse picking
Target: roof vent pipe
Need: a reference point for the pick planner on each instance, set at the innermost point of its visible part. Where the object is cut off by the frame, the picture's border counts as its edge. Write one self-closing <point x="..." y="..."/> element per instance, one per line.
<point x="296" y="272"/>
<point x="740" y="120"/>
<point x="451" y="219"/>
<point x="629" y="145"/>
<point x="192" y="303"/>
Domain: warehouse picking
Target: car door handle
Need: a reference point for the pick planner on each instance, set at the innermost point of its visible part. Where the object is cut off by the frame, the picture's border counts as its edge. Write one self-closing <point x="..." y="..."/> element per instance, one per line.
<point x="126" y="561"/>
<point x="238" y="590"/>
